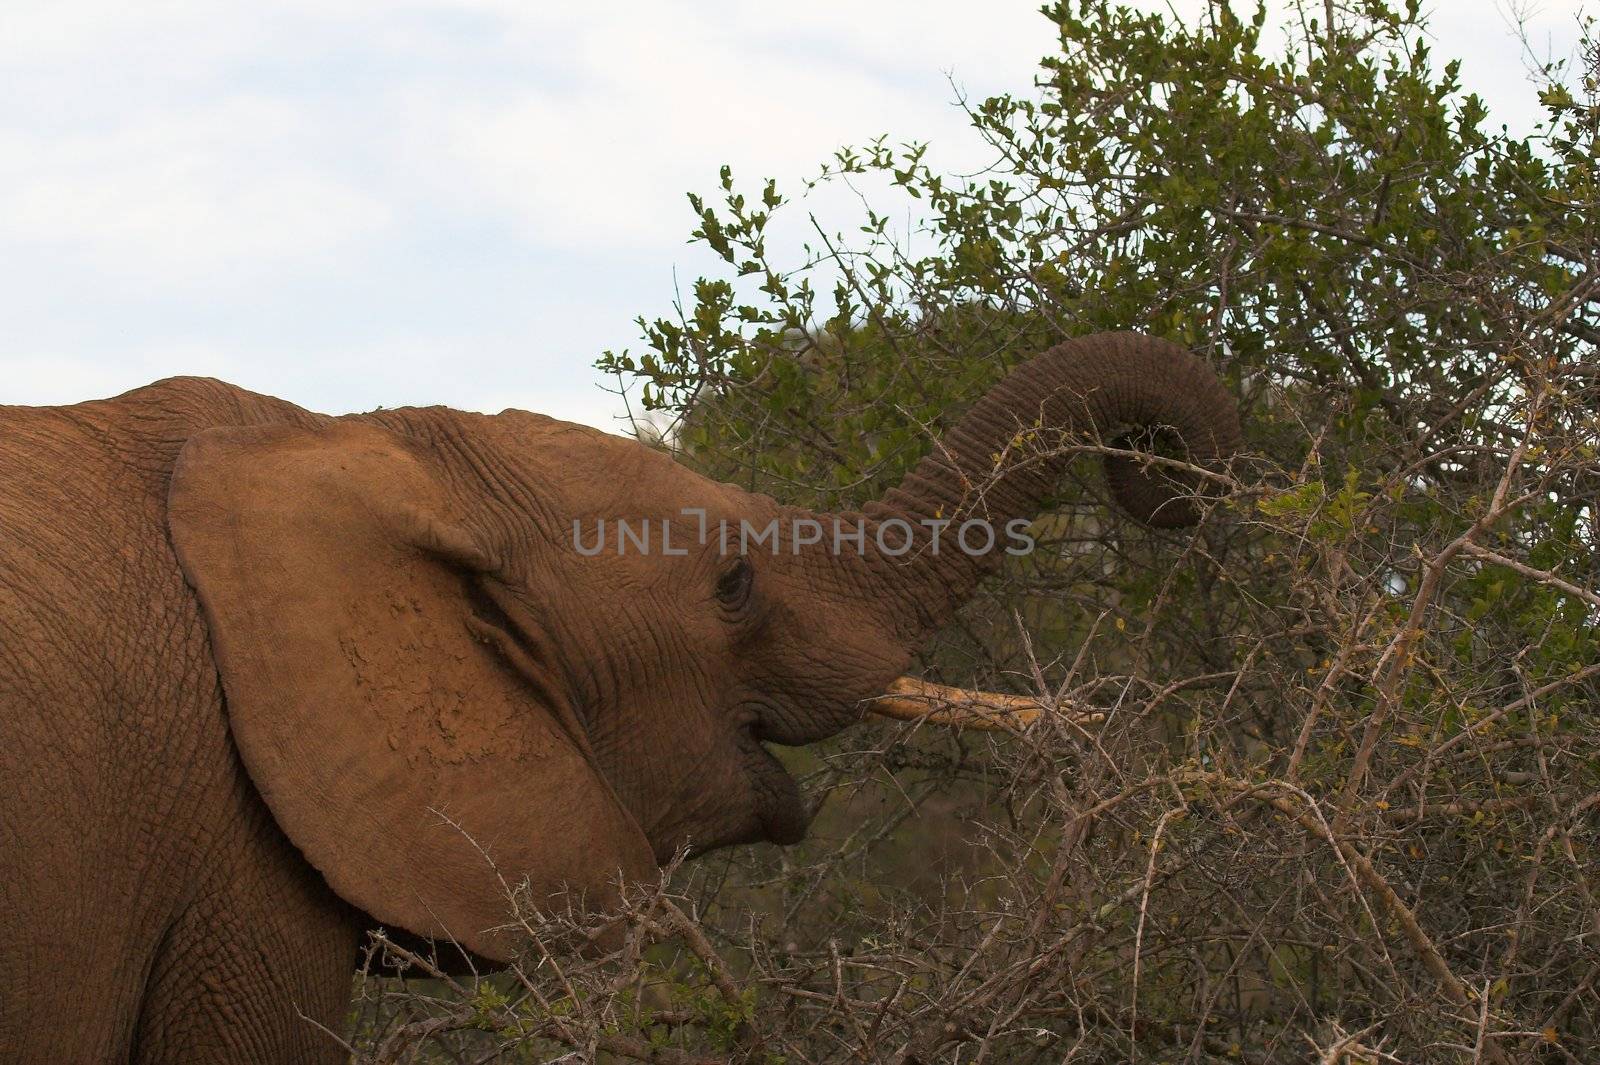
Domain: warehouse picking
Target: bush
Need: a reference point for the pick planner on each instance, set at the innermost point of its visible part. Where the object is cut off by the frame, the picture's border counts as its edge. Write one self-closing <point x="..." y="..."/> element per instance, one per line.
<point x="1343" y="801"/>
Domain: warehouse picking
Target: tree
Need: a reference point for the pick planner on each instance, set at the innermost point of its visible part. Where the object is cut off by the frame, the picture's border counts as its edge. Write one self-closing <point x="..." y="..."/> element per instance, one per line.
<point x="1344" y="798"/>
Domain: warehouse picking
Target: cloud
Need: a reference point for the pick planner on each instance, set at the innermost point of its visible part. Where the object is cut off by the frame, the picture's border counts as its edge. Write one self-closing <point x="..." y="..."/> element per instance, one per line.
<point x="655" y="102"/>
<point x="223" y="187"/>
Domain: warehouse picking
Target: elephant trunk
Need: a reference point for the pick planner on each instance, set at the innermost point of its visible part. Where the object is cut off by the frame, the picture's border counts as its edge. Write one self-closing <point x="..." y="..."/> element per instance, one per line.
<point x="1004" y="458"/>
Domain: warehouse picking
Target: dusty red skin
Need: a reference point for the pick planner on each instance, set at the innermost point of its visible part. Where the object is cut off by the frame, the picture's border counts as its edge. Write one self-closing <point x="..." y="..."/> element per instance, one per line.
<point x="268" y="677"/>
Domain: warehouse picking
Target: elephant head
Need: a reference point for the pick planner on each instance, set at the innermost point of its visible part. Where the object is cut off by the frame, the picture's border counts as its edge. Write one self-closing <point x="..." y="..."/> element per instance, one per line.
<point x="459" y="650"/>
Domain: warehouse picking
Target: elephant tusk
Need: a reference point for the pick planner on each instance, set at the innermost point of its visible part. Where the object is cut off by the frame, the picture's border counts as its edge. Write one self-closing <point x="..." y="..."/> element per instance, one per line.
<point x="910" y="699"/>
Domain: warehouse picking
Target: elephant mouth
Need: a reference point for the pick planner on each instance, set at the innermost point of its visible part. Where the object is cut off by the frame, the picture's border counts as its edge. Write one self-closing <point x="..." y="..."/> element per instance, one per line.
<point x="781" y="811"/>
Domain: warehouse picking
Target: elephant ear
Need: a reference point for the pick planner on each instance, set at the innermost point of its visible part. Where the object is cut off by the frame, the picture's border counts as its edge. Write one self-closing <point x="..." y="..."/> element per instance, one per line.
<point x="402" y="754"/>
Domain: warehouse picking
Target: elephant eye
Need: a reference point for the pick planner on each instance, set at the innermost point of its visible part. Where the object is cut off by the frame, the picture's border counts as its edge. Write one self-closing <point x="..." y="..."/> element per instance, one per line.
<point x="733" y="586"/>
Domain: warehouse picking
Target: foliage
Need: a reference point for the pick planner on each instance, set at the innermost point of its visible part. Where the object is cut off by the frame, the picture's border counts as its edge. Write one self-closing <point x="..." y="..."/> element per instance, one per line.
<point x="1344" y="801"/>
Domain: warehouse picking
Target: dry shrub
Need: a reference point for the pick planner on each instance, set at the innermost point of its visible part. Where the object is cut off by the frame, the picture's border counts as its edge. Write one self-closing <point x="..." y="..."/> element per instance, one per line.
<point x="1342" y="806"/>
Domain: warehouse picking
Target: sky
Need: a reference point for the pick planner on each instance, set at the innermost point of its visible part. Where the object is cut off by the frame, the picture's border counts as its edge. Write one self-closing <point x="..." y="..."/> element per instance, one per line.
<point x="361" y="204"/>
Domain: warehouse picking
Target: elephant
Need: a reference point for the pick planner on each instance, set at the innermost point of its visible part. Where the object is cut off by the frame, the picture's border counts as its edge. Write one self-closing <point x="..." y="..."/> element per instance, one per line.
<point x="270" y="679"/>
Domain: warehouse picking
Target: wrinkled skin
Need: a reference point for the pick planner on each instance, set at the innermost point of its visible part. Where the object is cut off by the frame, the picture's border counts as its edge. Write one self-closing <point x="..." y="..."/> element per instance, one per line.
<point x="270" y="679"/>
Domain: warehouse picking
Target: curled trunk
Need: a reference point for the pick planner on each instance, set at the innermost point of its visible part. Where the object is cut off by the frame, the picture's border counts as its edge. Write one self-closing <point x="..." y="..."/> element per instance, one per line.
<point x="1006" y="456"/>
